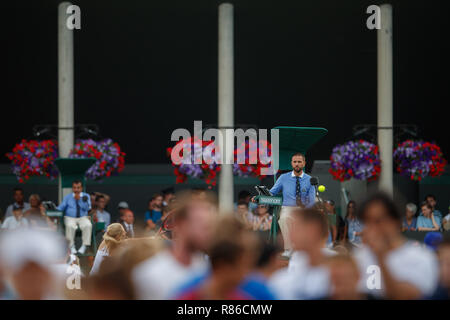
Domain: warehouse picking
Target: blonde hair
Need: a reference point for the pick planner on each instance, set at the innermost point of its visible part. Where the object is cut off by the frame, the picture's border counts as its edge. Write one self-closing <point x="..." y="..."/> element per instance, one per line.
<point x="114" y="235"/>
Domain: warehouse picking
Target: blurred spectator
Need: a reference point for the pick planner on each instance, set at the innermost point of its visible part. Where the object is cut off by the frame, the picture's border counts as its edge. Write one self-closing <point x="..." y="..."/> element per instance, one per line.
<point x="168" y="194"/>
<point x="113" y="280"/>
<point x="159" y="276"/>
<point x="427" y="221"/>
<point x="26" y="258"/>
<point x="410" y="221"/>
<point x="154" y="213"/>
<point x="114" y="235"/>
<point x="94" y="197"/>
<point x="76" y="207"/>
<point x="242" y="213"/>
<point x="309" y="278"/>
<point x="330" y="212"/>
<point x="101" y="214"/>
<point x="344" y="278"/>
<point x="446" y="221"/>
<point x="261" y="219"/>
<point x="232" y="258"/>
<point x="405" y="271"/>
<point x="354" y="226"/>
<point x="36" y="215"/>
<point x="128" y="223"/>
<point x="443" y="290"/>
<point x="19" y="203"/>
<point x="16" y="221"/>
<point x="93" y="201"/>
<point x="431" y="199"/>
<point x="432" y="240"/>
<point x="245" y="196"/>
<point x="121" y="208"/>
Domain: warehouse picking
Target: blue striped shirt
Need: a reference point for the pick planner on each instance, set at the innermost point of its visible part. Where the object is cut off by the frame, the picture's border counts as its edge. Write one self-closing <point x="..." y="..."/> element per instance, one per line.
<point x="286" y="184"/>
<point x="69" y="206"/>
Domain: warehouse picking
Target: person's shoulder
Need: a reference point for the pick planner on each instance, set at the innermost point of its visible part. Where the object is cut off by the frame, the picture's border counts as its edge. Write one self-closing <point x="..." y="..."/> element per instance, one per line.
<point x="285" y="175"/>
<point x="68" y="196"/>
<point x="306" y="176"/>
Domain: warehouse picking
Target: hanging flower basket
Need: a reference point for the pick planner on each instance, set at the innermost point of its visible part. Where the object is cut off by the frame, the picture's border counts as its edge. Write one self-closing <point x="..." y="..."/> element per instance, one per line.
<point x="355" y="159"/>
<point x="254" y="162"/>
<point x="34" y="158"/>
<point x="419" y="159"/>
<point x="205" y="168"/>
<point x="110" y="159"/>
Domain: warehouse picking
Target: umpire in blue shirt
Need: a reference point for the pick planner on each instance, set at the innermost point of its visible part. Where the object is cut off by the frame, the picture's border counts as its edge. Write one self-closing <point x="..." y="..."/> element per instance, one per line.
<point x="76" y="207"/>
<point x="297" y="191"/>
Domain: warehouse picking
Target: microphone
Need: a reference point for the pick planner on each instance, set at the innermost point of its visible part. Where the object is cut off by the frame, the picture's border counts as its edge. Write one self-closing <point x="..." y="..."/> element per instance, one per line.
<point x="315" y="182"/>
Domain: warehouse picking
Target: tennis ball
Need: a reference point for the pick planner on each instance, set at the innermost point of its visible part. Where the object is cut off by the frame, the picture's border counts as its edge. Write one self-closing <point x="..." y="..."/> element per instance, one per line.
<point x="321" y="188"/>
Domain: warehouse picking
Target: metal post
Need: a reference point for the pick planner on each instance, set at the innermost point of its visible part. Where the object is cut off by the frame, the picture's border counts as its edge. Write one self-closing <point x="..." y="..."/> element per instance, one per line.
<point x="65" y="88"/>
<point x="226" y="104"/>
<point x="385" y="99"/>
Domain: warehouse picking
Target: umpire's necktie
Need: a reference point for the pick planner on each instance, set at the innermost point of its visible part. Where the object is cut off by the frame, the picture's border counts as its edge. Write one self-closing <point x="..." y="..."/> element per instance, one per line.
<point x="298" y="199"/>
<point x="78" y="208"/>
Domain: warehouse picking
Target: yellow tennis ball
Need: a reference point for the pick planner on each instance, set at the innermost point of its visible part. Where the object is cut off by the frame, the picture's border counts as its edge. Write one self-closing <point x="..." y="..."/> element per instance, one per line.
<point x="321" y="188"/>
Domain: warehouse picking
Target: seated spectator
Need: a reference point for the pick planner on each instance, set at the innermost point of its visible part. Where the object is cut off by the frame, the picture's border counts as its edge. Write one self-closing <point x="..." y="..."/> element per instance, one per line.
<point x="409" y="223"/>
<point x="405" y="270"/>
<point x="443" y="290"/>
<point x="168" y="194"/>
<point x="330" y="213"/>
<point x="261" y="219"/>
<point x="128" y="223"/>
<point x="154" y="213"/>
<point x="101" y="214"/>
<point x="93" y="196"/>
<point x="242" y="213"/>
<point x="431" y="199"/>
<point x="16" y="221"/>
<point x="122" y="208"/>
<point x="18" y="203"/>
<point x="353" y="225"/>
<point x="446" y="221"/>
<point x="36" y="215"/>
<point x="245" y="196"/>
<point x="427" y="221"/>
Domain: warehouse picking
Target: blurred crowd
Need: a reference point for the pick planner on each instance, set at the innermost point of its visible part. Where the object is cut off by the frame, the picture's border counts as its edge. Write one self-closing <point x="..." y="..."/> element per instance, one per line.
<point x="187" y="249"/>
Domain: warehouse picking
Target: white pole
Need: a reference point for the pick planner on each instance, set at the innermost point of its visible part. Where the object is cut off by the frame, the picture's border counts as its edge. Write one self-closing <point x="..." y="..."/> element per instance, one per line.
<point x="385" y="99"/>
<point x="65" y="87"/>
<point x="226" y="103"/>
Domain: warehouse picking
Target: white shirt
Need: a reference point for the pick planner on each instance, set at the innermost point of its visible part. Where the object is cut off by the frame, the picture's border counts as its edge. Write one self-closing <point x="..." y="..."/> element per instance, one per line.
<point x="104" y="216"/>
<point x="301" y="175"/>
<point x="129" y="228"/>
<point x="99" y="257"/>
<point x="159" y="276"/>
<point x="300" y="280"/>
<point x="12" y="223"/>
<point x="9" y="210"/>
<point x="409" y="263"/>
